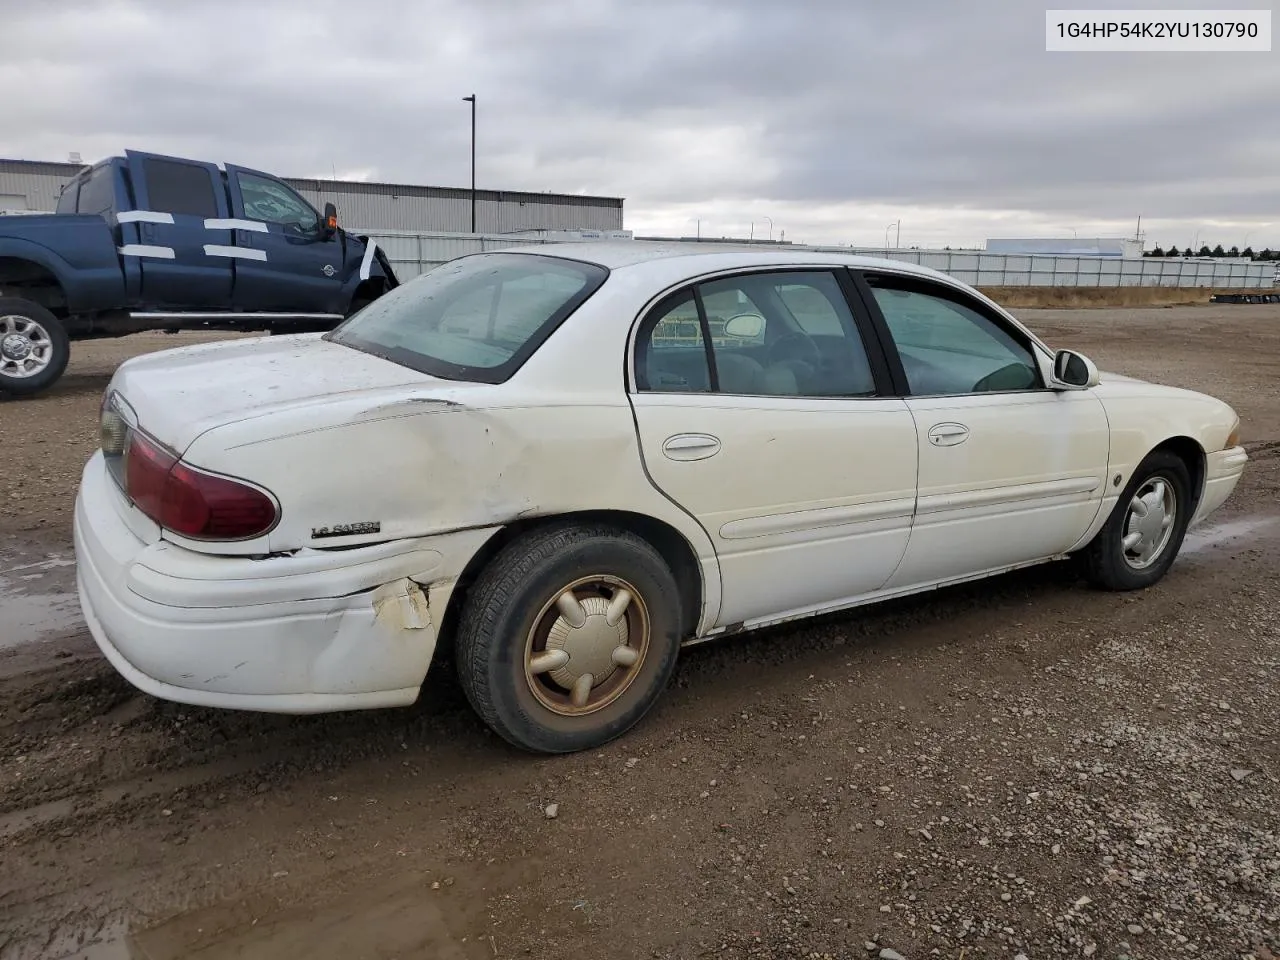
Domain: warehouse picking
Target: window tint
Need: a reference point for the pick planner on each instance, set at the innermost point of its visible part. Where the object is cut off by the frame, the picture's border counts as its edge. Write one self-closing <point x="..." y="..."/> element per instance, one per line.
<point x="68" y="197"/>
<point x="97" y="194"/>
<point x="760" y="345"/>
<point x="273" y="202"/>
<point x="180" y="188"/>
<point x="812" y="311"/>
<point x="948" y="347"/>
<point x="475" y="318"/>
<point x="671" y="355"/>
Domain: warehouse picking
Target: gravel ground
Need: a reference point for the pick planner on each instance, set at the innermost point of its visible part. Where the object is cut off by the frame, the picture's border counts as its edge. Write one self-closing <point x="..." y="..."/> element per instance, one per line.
<point x="1022" y="767"/>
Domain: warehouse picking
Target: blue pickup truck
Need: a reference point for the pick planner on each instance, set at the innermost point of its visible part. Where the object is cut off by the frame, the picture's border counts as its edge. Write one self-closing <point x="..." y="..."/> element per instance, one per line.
<point x="147" y="242"/>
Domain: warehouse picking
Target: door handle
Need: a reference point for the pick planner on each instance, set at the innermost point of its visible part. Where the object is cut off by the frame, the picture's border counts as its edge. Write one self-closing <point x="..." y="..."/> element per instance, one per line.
<point x="948" y="434"/>
<point x="691" y="446"/>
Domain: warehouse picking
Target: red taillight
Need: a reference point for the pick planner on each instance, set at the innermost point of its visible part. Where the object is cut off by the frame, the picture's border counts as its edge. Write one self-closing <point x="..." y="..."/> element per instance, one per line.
<point x="191" y="502"/>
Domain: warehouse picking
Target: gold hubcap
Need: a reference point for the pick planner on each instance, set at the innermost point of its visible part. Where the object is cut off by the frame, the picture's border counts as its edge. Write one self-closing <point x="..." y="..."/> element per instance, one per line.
<point x="586" y="645"/>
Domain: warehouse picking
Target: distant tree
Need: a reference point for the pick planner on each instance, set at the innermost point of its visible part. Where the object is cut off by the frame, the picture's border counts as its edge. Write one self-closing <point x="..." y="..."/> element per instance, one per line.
<point x="1218" y="251"/>
<point x="1233" y="252"/>
<point x="1204" y="251"/>
<point x="1173" y="252"/>
<point x="1267" y="254"/>
<point x="1247" y="252"/>
<point x="1158" y="251"/>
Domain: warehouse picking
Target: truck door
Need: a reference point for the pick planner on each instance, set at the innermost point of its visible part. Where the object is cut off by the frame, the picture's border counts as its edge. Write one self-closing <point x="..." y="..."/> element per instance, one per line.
<point x="297" y="264"/>
<point x="186" y="257"/>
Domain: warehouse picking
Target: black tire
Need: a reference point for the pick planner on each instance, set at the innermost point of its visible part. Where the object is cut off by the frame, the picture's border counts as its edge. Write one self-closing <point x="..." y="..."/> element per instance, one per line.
<point x="1106" y="562"/>
<point x="517" y="591"/>
<point x="52" y="335"/>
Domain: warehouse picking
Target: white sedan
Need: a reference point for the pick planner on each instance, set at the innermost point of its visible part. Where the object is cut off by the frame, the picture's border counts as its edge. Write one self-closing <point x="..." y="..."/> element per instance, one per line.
<point x="567" y="463"/>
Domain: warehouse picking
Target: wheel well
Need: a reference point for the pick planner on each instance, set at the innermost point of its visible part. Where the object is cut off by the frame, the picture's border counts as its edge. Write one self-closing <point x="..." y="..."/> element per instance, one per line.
<point x="668" y="541"/>
<point x="1192" y="454"/>
<point x="27" y="279"/>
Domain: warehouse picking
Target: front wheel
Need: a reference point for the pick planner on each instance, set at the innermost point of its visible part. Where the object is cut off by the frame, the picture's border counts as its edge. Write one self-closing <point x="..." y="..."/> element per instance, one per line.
<point x="1141" y="538"/>
<point x="34" y="348"/>
<point x="569" y="637"/>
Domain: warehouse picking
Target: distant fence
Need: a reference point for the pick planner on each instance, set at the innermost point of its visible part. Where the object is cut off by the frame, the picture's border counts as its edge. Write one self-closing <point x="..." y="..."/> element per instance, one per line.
<point x="414" y="253"/>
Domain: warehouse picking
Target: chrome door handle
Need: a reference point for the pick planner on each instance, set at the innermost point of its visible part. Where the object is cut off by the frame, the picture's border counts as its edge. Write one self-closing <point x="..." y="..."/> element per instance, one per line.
<point x="691" y="446"/>
<point x="948" y="434"/>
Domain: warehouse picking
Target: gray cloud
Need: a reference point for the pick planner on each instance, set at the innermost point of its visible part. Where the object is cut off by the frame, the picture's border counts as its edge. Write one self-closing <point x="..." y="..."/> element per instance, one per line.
<point x="830" y="116"/>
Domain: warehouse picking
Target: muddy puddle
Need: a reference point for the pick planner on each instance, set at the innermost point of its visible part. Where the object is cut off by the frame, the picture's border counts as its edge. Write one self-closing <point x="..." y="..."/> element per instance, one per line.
<point x="411" y="917"/>
<point x="37" y="597"/>
<point x="1231" y="532"/>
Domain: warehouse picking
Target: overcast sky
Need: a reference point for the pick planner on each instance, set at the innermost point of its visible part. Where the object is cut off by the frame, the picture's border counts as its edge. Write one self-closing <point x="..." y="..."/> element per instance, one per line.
<point x="832" y="117"/>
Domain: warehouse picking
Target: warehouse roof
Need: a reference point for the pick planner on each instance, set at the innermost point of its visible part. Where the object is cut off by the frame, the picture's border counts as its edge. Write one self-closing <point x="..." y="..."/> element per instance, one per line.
<point x="68" y="170"/>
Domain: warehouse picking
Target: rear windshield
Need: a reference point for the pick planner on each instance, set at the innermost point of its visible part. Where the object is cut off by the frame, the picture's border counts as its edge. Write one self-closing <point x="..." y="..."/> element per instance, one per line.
<point x="475" y="318"/>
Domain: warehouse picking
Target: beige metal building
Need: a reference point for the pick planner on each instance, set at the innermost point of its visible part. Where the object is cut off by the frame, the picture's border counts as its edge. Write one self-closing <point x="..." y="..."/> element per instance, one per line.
<point x="27" y="185"/>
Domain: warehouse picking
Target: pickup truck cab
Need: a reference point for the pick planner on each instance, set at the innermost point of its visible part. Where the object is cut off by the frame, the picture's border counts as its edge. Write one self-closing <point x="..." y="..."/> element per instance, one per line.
<point x="149" y="242"/>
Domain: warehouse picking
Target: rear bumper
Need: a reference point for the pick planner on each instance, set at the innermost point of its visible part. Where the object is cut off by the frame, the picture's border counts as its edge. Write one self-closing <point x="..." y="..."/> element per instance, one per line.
<point x="313" y="632"/>
<point x="1222" y="472"/>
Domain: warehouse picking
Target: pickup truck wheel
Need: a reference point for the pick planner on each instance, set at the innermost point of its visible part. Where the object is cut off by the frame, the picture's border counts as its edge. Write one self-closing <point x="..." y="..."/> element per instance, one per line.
<point x="569" y="637"/>
<point x="34" y="348"/>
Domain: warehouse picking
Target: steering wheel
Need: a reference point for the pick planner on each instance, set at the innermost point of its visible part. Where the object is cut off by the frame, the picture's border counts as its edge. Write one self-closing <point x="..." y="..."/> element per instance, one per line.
<point x="808" y="352"/>
<point x="1012" y="376"/>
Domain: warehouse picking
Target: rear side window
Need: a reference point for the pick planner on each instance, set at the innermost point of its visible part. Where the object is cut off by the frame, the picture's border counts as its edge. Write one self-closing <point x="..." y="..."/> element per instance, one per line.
<point x="179" y="188"/>
<point x="766" y="334"/>
<point x="475" y="318"/>
<point x="67" y="199"/>
<point x="97" y="194"/>
<point x="671" y="354"/>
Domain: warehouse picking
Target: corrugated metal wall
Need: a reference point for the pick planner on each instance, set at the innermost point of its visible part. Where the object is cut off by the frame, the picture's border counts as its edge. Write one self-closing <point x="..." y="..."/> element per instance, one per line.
<point x="377" y="206"/>
<point x="372" y="206"/>
<point x="36" y="184"/>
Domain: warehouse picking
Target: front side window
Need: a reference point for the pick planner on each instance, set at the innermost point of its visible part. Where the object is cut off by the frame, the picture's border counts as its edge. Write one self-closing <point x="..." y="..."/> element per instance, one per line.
<point x="179" y="188"/>
<point x="948" y="346"/>
<point x="474" y="318"/>
<point x="272" y="202"/>
<point x="766" y="334"/>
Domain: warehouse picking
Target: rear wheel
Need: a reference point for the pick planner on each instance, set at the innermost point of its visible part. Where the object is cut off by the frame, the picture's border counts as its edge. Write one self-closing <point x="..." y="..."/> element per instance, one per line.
<point x="569" y="637"/>
<point x="34" y="348"/>
<point x="1141" y="538"/>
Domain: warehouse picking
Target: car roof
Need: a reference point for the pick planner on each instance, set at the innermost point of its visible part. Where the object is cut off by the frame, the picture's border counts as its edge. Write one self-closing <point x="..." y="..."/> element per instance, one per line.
<point x="620" y="254"/>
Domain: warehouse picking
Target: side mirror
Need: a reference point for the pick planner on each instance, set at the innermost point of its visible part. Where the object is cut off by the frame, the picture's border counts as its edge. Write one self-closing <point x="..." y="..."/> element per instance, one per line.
<point x="745" y="326"/>
<point x="330" y="219"/>
<point x="1073" y="371"/>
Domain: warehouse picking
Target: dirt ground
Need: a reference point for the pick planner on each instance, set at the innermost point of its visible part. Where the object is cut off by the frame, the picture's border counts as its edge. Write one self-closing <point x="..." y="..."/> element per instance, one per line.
<point x="1019" y="768"/>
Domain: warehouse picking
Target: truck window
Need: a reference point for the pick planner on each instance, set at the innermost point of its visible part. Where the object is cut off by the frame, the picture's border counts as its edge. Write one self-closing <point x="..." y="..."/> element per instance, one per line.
<point x="272" y="202"/>
<point x="180" y="188"/>
<point x="97" y="194"/>
<point x="67" y="199"/>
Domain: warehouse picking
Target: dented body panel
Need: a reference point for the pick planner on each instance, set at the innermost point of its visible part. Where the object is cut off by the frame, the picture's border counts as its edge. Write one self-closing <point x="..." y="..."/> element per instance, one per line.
<point x="309" y="632"/>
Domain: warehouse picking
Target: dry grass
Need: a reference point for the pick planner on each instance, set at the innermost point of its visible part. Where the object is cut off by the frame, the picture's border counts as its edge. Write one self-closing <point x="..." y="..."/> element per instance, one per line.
<point x="1084" y="297"/>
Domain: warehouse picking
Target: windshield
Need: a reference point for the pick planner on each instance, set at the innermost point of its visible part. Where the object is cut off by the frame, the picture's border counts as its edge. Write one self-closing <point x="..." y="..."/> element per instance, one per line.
<point x="475" y="318"/>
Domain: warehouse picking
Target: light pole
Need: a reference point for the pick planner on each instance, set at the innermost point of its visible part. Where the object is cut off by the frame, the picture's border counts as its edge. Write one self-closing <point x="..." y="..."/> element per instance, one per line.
<point x="770" y="219"/>
<point x="897" y="237"/>
<point x="472" y="100"/>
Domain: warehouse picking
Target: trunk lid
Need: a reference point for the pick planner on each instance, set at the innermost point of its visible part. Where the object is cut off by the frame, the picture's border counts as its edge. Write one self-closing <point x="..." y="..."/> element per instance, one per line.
<point x="179" y="394"/>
